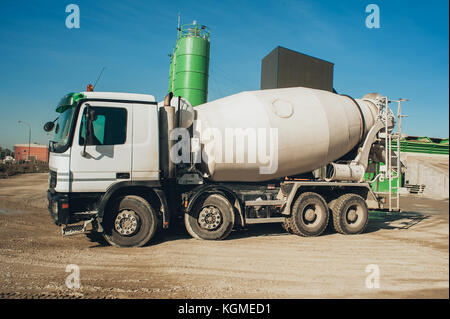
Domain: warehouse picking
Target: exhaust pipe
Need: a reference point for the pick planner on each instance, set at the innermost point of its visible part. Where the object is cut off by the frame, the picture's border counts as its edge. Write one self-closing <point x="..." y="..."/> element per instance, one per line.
<point x="166" y="125"/>
<point x="168" y="98"/>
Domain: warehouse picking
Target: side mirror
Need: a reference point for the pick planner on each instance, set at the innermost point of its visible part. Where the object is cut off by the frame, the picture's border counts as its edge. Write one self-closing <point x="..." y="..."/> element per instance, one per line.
<point x="48" y="127"/>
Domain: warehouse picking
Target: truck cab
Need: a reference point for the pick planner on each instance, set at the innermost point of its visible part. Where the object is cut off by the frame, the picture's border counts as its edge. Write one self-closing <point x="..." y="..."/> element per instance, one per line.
<point x="120" y="148"/>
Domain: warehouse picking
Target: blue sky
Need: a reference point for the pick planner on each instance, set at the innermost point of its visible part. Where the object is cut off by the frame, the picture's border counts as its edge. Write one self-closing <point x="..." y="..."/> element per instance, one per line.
<point x="41" y="60"/>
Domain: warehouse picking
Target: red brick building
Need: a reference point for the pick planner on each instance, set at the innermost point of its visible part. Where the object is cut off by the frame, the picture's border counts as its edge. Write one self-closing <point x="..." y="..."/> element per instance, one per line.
<point x="25" y="152"/>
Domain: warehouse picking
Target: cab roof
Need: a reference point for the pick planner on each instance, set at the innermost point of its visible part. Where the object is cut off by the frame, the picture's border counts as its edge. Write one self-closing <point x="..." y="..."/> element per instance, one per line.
<point x="71" y="99"/>
<point x="119" y="96"/>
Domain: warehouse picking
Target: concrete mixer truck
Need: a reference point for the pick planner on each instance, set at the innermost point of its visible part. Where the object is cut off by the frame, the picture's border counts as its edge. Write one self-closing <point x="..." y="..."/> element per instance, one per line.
<point x="126" y="166"/>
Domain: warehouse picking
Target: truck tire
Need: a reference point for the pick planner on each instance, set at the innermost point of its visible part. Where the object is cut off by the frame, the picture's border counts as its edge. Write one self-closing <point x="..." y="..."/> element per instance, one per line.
<point x="331" y="206"/>
<point x="130" y="222"/>
<point x="287" y="226"/>
<point x="309" y="216"/>
<point x="212" y="218"/>
<point x="350" y="214"/>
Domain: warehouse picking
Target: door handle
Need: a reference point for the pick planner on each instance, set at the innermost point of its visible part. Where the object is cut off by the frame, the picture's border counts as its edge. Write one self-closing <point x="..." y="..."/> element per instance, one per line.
<point x="122" y="175"/>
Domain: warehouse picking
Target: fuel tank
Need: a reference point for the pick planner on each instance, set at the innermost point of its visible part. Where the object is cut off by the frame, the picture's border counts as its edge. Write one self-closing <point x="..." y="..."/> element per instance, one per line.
<point x="262" y="135"/>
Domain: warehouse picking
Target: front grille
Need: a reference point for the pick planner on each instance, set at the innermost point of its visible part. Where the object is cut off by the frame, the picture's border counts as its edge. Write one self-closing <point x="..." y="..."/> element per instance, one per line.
<point x="52" y="179"/>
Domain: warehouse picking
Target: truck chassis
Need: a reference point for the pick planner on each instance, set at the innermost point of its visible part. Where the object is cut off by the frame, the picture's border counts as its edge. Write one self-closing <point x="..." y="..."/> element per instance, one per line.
<point x="211" y="211"/>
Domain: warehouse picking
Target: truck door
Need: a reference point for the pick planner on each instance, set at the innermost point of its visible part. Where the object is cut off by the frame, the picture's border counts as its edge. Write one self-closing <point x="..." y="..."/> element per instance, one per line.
<point x="108" y="159"/>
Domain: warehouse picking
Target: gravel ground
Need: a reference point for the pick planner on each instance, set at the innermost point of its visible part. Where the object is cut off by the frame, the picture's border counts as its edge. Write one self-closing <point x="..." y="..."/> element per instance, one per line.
<point x="410" y="249"/>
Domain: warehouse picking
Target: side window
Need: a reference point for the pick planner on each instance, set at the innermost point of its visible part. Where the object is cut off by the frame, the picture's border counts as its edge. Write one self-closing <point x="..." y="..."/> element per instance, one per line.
<point x="109" y="126"/>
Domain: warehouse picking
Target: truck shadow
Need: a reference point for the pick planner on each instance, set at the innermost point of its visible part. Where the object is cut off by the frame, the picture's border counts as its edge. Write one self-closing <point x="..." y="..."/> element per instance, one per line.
<point x="377" y="221"/>
<point x="259" y="230"/>
<point x="394" y="220"/>
<point x="176" y="232"/>
<point x="97" y="239"/>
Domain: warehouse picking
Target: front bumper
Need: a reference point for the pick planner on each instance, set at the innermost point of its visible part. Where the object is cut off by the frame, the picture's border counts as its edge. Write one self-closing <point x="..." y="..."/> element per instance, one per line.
<point x="58" y="206"/>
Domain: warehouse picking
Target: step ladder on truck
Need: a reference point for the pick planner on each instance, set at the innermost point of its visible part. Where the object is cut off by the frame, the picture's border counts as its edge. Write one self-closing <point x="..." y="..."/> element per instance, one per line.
<point x="391" y="171"/>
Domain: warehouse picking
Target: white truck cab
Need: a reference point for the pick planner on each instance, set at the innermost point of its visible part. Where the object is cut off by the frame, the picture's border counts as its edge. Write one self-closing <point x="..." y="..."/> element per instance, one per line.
<point x="123" y="149"/>
<point x="125" y="125"/>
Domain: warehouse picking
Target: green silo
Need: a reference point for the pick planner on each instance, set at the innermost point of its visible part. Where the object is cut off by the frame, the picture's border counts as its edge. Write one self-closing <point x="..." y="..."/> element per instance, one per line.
<point x="188" y="75"/>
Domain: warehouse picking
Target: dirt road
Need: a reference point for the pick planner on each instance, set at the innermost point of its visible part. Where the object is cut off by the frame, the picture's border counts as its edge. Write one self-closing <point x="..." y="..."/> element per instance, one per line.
<point x="410" y="250"/>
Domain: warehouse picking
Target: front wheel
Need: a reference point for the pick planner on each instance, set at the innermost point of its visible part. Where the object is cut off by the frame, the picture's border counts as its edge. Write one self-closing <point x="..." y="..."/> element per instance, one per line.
<point x="130" y="222"/>
<point x="212" y="218"/>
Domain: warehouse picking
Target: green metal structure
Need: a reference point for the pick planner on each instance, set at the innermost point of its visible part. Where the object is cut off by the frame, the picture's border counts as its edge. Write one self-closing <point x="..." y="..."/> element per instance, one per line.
<point x="189" y="64"/>
<point x="427" y="145"/>
<point x="381" y="186"/>
<point x="410" y="144"/>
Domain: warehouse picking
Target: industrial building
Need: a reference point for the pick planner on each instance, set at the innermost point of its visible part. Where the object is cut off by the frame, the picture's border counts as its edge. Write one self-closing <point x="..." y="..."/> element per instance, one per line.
<point x="283" y="68"/>
<point x="31" y="152"/>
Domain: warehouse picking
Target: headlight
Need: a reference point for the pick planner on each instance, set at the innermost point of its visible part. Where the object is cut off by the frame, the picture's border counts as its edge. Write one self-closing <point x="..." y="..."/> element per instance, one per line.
<point x="55" y="207"/>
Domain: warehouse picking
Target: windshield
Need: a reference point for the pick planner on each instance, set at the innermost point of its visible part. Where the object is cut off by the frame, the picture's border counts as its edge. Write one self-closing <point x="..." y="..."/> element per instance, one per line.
<point x="62" y="129"/>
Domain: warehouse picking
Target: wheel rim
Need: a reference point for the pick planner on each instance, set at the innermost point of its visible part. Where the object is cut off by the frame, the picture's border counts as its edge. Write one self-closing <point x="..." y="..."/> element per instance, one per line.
<point x="312" y="215"/>
<point x="209" y="218"/>
<point x="354" y="216"/>
<point x="127" y="223"/>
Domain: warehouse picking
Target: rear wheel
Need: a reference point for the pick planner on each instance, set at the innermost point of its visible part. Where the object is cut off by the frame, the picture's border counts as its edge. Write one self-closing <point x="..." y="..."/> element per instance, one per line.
<point x="212" y="218"/>
<point x="130" y="222"/>
<point x="309" y="216"/>
<point x="350" y="214"/>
